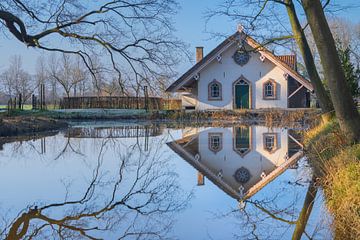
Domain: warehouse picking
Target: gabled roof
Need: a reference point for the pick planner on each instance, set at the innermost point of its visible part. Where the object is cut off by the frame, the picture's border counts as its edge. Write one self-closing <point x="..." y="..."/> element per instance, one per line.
<point x="289" y="60"/>
<point x="181" y="151"/>
<point x="287" y="68"/>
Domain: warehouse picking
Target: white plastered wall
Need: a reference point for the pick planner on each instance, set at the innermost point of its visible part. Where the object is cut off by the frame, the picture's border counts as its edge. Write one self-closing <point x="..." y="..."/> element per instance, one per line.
<point x="227" y="72"/>
<point x="257" y="160"/>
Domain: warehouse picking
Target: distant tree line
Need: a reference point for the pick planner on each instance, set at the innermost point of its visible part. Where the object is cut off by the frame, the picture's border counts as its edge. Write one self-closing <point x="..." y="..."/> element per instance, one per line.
<point x="66" y="75"/>
<point x="122" y="45"/>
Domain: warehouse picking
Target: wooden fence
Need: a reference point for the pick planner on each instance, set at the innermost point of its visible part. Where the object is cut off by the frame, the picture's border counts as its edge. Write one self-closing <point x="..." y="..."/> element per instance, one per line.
<point x="116" y="102"/>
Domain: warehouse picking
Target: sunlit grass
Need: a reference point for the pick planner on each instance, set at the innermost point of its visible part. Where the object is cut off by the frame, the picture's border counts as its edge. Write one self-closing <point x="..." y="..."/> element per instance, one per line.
<point x="26" y="107"/>
<point x="342" y="191"/>
<point x="337" y="164"/>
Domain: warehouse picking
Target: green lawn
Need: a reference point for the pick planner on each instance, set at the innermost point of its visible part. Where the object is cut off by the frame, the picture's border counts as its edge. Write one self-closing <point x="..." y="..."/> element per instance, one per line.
<point x="26" y="106"/>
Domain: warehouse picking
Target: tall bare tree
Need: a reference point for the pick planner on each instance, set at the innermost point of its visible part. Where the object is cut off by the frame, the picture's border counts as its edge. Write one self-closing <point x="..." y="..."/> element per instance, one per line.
<point x="135" y="35"/>
<point x="345" y="109"/>
<point x="300" y="38"/>
<point x="266" y="12"/>
<point x="137" y="200"/>
<point x="17" y="81"/>
<point x="258" y="16"/>
<point x="67" y="73"/>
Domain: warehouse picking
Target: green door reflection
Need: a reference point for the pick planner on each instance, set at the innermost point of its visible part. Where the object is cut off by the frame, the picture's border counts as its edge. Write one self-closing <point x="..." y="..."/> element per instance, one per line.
<point x="242" y="139"/>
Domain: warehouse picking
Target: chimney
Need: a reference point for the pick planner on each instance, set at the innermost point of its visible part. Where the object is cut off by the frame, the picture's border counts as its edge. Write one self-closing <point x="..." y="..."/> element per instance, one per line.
<point x="199" y="54"/>
<point x="201" y="179"/>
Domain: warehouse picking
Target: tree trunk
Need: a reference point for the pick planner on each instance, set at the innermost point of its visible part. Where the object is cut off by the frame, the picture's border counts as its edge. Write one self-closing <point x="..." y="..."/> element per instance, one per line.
<point x="305" y="211"/>
<point x="68" y="98"/>
<point x="345" y="109"/>
<point x="299" y="36"/>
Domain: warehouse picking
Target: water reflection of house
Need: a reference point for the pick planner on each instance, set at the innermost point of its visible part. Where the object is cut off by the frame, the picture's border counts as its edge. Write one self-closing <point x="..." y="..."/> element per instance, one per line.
<point x="239" y="160"/>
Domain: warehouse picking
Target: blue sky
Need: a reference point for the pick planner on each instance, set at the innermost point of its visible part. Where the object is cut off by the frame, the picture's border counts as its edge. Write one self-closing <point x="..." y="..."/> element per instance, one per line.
<point x="190" y="25"/>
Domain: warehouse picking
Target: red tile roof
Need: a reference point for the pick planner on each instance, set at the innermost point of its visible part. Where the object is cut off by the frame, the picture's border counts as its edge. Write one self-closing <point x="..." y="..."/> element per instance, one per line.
<point x="289" y="60"/>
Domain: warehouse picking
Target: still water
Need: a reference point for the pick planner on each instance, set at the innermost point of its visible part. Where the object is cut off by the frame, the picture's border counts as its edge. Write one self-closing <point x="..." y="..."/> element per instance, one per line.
<point x="110" y="180"/>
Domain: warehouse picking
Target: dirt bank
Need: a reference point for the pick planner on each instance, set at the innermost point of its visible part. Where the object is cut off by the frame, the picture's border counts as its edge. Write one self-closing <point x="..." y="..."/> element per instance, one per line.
<point x="23" y="125"/>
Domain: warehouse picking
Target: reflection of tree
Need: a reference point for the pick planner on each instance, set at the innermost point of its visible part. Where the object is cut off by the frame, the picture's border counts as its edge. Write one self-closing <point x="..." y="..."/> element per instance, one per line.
<point x="306" y="210"/>
<point x="135" y="200"/>
<point x="270" y="218"/>
<point x="68" y="146"/>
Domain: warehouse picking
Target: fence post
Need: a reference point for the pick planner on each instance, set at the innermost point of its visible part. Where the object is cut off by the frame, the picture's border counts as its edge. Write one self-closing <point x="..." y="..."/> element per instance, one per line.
<point x="9" y="106"/>
<point x="146" y="98"/>
<point x="41" y="105"/>
<point x="43" y="96"/>
<point x="33" y="101"/>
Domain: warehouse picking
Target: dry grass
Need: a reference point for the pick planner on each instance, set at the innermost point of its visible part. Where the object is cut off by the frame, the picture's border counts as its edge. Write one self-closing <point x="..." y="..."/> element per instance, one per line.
<point x="338" y="167"/>
<point x="268" y="117"/>
<point x="342" y="191"/>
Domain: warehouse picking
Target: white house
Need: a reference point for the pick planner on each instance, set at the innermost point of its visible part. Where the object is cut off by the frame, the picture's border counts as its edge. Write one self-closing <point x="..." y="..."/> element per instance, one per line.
<point x="240" y="160"/>
<point x="241" y="74"/>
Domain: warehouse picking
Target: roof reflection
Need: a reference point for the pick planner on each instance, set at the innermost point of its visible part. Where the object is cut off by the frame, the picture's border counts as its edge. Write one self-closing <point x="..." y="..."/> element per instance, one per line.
<point x="240" y="160"/>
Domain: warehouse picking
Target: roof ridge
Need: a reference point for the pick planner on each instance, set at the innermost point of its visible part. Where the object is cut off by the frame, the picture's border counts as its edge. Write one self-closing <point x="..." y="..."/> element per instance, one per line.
<point x="254" y="44"/>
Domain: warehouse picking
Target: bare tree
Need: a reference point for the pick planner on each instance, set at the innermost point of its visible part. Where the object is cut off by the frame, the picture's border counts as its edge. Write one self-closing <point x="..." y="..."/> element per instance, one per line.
<point x="17" y="81"/>
<point x="41" y="71"/>
<point x="7" y="82"/>
<point x="67" y="73"/>
<point x="266" y="12"/>
<point x="257" y="16"/>
<point x="300" y="38"/>
<point x="112" y="87"/>
<point x="345" y="109"/>
<point x="78" y="75"/>
<point x="53" y="84"/>
<point x="137" y="201"/>
<point x="134" y="35"/>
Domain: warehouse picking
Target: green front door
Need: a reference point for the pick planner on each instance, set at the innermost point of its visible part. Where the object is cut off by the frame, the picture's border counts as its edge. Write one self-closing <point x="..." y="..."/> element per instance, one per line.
<point x="241" y="96"/>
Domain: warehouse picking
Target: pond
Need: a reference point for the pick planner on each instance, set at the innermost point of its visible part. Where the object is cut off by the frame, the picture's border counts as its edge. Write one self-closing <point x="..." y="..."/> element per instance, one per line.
<point x="111" y="180"/>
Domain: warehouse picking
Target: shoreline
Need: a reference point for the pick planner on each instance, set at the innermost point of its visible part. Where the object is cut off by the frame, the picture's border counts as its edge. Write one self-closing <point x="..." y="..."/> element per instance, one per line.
<point x="29" y="125"/>
<point x="336" y="167"/>
<point x="22" y="123"/>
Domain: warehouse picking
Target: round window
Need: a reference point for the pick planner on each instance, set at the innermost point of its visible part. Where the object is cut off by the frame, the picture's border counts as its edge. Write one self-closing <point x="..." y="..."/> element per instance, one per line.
<point x="241" y="57"/>
<point x="242" y="175"/>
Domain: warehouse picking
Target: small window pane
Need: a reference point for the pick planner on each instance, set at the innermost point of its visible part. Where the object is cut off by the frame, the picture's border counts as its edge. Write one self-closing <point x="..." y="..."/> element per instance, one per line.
<point x="215" y="90"/>
<point x="269" y="90"/>
<point x="215" y="142"/>
<point x="270" y="142"/>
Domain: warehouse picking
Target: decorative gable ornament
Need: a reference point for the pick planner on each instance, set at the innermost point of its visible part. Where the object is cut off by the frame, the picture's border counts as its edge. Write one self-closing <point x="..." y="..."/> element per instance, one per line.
<point x="197" y="76"/>
<point x="262" y="58"/>
<point x="240" y="28"/>
<point x="241" y="56"/>
<point x="241" y="191"/>
<point x="220" y="174"/>
<point x="242" y="205"/>
<point x="286" y="76"/>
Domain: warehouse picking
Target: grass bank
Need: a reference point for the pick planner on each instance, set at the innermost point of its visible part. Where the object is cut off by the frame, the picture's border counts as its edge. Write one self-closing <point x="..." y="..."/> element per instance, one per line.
<point x="337" y="165"/>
